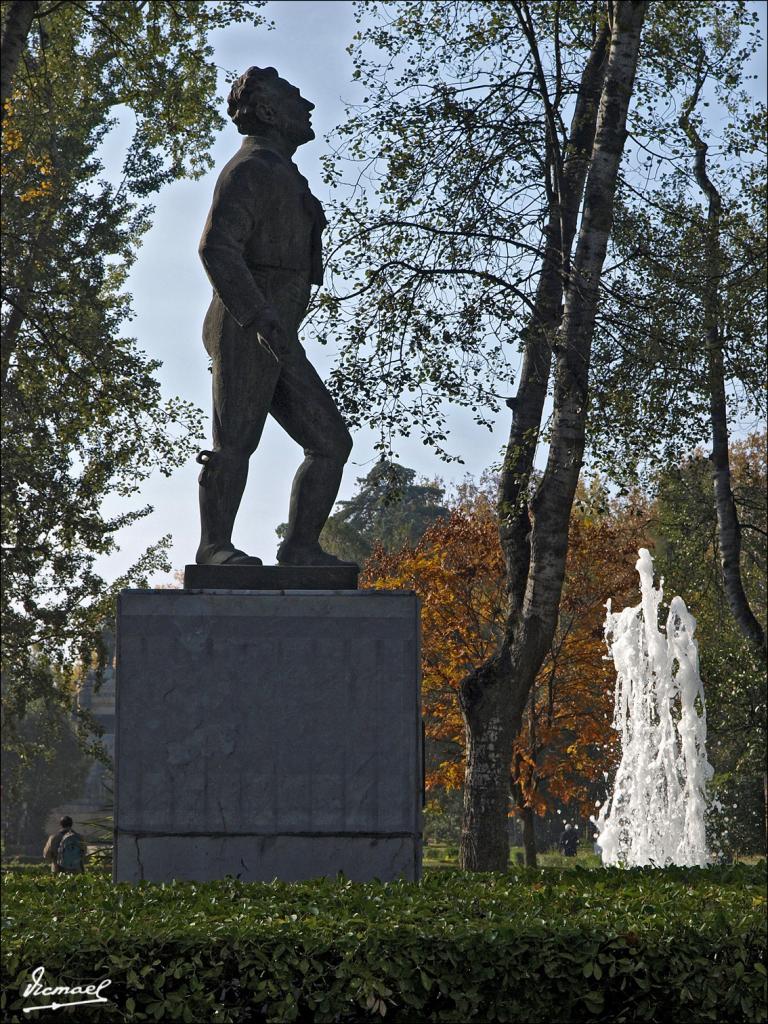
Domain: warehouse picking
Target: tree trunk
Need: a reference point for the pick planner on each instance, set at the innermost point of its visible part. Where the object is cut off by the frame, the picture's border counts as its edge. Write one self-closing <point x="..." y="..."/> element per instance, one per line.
<point x="482" y="847"/>
<point x="553" y="500"/>
<point x="536" y="567"/>
<point x="529" y="838"/>
<point x="16" y="26"/>
<point x="728" y="526"/>
<point x="538" y="335"/>
<point x="484" y="842"/>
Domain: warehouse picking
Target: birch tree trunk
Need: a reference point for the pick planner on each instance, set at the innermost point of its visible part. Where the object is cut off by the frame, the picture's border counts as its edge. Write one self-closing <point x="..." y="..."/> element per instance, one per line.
<point x="535" y="540"/>
<point x="483" y="695"/>
<point x="484" y="698"/>
<point x="538" y="336"/>
<point x="728" y="526"/>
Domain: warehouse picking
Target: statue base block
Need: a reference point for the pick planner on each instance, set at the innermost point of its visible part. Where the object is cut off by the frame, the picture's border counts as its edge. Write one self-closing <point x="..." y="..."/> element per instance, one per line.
<point x="271" y="577"/>
<point x="267" y="735"/>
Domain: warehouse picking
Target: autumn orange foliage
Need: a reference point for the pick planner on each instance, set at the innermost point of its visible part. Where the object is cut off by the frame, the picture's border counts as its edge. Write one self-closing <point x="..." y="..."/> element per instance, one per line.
<point x="567" y="742"/>
<point x="457" y="570"/>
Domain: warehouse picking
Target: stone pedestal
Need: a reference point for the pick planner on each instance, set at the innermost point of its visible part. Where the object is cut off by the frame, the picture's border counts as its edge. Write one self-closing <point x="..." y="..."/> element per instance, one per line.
<point x="271" y="577"/>
<point x="267" y="735"/>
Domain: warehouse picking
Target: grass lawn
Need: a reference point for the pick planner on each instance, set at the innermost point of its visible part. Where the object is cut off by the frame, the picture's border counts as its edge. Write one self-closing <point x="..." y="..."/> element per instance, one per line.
<point x="437" y="856"/>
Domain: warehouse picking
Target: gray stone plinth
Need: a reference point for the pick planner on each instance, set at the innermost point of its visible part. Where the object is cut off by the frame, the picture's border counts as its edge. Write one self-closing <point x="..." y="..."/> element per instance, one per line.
<point x="267" y="735"/>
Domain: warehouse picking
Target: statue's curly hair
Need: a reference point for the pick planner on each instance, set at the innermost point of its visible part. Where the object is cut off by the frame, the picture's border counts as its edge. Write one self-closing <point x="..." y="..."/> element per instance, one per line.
<point x="254" y="84"/>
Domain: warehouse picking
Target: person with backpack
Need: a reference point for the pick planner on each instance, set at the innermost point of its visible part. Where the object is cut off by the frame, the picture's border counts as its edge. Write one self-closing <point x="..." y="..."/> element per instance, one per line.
<point x="569" y="841"/>
<point x="65" y="850"/>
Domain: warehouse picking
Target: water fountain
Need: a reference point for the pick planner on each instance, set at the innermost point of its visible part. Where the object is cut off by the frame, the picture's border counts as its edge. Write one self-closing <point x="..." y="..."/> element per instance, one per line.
<point x="655" y="814"/>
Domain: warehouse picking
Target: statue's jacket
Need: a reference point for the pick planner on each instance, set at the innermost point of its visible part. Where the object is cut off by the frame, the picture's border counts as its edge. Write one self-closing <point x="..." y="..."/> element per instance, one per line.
<point x="263" y="216"/>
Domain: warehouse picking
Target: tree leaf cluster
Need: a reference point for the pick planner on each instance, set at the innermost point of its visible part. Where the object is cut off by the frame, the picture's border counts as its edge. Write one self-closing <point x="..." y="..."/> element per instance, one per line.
<point x="650" y="401"/>
<point x="83" y="414"/>
<point x="443" y="196"/>
<point x="566" y="742"/>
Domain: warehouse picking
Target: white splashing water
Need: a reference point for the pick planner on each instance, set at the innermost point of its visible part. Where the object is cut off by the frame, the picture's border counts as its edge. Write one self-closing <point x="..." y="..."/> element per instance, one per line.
<point x="655" y="815"/>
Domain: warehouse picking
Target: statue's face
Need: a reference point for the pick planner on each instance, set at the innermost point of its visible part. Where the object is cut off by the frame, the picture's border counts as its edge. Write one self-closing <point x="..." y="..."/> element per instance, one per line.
<point x="290" y="112"/>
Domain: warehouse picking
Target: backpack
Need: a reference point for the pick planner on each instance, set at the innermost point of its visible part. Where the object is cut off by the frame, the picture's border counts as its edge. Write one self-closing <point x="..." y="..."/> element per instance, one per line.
<point x="69" y="856"/>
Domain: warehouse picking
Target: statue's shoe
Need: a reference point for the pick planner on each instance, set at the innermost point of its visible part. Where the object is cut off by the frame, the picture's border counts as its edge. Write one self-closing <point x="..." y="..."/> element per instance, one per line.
<point x="308" y="554"/>
<point x="226" y="556"/>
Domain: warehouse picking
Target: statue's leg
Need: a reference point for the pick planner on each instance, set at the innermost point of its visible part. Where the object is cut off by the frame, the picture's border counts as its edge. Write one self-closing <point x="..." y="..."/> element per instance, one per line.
<point x="222" y="482"/>
<point x="244" y="377"/>
<point x="305" y="409"/>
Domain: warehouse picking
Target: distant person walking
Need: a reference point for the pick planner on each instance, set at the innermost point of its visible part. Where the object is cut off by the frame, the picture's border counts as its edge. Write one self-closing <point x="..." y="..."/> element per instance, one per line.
<point x="569" y="841"/>
<point x="65" y="850"/>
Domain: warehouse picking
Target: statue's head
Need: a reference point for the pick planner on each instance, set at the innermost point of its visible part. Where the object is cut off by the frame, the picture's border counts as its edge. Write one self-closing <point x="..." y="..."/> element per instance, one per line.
<point x="260" y="102"/>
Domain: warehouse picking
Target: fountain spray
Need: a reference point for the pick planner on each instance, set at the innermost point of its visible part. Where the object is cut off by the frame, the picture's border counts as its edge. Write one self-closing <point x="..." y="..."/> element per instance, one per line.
<point x="655" y="814"/>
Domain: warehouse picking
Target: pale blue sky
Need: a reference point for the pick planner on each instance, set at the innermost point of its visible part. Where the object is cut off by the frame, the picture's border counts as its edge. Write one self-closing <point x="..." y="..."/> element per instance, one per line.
<point x="171" y="294"/>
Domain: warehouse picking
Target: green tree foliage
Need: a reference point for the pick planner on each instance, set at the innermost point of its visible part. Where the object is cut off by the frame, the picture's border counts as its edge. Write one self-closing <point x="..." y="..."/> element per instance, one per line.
<point x="651" y="392"/>
<point x="390" y="510"/>
<point x="733" y="673"/>
<point x="83" y="417"/>
<point x="449" y="146"/>
<point x="446" y="175"/>
<point x="691" y="299"/>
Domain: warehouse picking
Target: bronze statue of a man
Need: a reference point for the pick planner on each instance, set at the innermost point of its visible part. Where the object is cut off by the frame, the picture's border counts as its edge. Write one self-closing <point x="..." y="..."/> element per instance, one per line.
<point x="261" y="249"/>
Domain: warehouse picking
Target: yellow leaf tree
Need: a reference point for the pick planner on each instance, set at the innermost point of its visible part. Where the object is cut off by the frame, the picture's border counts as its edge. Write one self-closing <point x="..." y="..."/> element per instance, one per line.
<point x="565" y="743"/>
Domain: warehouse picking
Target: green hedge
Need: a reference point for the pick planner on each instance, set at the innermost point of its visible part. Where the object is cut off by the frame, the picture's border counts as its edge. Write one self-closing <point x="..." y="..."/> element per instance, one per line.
<point x="552" y="946"/>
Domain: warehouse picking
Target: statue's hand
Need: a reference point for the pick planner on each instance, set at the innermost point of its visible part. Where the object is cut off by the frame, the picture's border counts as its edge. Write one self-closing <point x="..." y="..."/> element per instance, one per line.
<point x="269" y="331"/>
